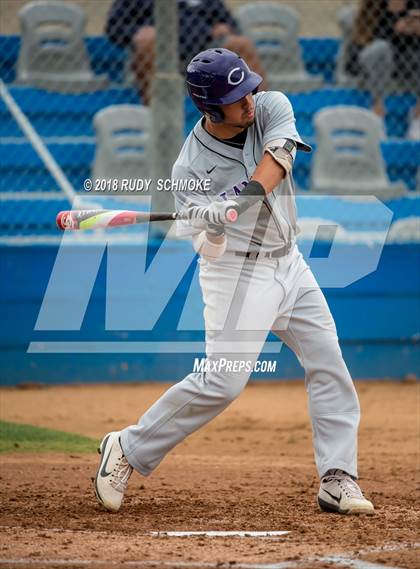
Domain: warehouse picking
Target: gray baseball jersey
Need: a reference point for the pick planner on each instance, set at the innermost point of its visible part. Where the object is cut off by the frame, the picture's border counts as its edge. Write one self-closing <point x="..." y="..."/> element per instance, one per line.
<point x="244" y="299"/>
<point x="230" y="168"/>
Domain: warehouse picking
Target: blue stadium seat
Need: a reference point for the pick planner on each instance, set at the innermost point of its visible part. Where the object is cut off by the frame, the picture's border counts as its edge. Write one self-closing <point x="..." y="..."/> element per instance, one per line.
<point x="9" y="51"/>
<point x="319" y="56"/>
<point x="356" y="215"/>
<point x="65" y="122"/>
<point x="21" y="169"/>
<point x="58" y="115"/>
<point x="397" y="113"/>
<point x="55" y="114"/>
<point x="305" y="105"/>
<point x="30" y="217"/>
<point x="402" y="158"/>
<point x="105" y="57"/>
<point x="75" y="111"/>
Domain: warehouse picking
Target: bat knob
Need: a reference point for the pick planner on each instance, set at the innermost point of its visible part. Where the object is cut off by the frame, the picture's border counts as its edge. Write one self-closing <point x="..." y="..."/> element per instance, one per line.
<point x="64" y="220"/>
<point x="231" y="215"/>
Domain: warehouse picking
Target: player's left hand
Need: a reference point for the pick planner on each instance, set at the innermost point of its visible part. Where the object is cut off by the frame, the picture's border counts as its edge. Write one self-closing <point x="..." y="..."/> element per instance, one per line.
<point x="215" y="213"/>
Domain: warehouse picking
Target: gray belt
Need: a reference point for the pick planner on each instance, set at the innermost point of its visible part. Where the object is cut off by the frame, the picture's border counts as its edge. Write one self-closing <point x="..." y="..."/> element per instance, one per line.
<point x="282" y="252"/>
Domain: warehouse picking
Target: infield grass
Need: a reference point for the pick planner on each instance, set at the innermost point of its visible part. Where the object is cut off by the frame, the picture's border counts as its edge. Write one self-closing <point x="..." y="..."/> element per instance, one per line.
<point x="15" y="437"/>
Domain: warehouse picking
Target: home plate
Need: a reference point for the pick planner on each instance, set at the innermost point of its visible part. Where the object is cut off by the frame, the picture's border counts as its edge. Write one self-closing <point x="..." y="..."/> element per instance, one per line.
<point x="218" y="533"/>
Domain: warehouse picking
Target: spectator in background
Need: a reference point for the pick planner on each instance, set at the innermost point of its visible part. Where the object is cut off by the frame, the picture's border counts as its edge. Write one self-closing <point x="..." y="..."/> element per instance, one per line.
<point x="385" y="49"/>
<point x="202" y="24"/>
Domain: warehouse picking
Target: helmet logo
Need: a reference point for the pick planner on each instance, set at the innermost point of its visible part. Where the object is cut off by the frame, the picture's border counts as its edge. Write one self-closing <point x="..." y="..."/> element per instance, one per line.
<point x="235" y="81"/>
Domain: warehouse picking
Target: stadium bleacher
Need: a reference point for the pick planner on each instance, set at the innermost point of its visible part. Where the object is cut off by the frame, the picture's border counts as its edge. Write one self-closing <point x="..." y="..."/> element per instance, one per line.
<point x="60" y="115"/>
<point x="319" y="55"/>
<point x="22" y="170"/>
<point x="384" y="335"/>
<point x="64" y="121"/>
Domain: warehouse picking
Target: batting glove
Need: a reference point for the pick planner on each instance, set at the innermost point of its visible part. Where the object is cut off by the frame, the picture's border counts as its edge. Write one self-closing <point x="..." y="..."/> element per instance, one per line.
<point x="214" y="214"/>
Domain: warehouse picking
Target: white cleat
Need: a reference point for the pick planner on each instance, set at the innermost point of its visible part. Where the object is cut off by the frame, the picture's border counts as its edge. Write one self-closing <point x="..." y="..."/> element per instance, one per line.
<point x="340" y="493"/>
<point x="113" y="473"/>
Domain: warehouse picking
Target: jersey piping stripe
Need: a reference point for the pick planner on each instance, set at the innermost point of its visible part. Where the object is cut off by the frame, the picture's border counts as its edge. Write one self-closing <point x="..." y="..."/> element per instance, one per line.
<point x="265" y="202"/>
<point x="229" y="142"/>
<point x="253" y="239"/>
<point x="222" y="155"/>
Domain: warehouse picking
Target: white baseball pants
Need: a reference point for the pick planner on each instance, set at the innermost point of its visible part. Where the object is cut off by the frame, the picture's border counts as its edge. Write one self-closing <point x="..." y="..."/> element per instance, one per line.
<point x="245" y="299"/>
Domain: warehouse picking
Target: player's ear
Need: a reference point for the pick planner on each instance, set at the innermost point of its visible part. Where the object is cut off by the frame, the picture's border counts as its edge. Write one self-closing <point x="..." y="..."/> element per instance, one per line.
<point x="216" y="115"/>
<point x="211" y="117"/>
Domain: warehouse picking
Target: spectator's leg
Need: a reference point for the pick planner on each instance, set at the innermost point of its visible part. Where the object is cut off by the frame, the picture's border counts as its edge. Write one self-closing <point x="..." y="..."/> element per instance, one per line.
<point x="144" y="61"/>
<point x="413" y="132"/>
<point x="377" y="63"/>
<point x="407" y="74"/>
<point x="245" y="47"/>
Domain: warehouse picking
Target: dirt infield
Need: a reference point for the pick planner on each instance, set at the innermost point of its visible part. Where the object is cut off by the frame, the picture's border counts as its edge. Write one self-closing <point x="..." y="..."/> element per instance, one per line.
<point x="250" y="469"/>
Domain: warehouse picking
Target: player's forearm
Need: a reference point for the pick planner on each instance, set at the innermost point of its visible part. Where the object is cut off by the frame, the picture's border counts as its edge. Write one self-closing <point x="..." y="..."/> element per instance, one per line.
<point x="268" y="173"/>
<point x="266" y="177"/>
<point x="209" y="246"/>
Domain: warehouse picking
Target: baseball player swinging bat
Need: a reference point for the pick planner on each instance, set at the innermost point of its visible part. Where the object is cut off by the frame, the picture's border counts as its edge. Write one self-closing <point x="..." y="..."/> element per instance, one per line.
<point x="254" y="280"/>
<point x="102" y="218"/>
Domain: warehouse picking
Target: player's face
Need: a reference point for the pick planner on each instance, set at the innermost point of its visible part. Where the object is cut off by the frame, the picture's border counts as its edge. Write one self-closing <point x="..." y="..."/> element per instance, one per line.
<point x="240" y="114"/>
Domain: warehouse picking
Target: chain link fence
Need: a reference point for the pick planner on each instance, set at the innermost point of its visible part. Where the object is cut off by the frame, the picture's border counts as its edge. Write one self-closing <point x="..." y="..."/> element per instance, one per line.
<point x="93" y="101"/>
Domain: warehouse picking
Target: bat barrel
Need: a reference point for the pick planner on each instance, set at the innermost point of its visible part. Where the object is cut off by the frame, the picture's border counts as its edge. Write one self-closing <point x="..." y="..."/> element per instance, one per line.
<point x="101" y="218"/>
<point x="93" y="218"/>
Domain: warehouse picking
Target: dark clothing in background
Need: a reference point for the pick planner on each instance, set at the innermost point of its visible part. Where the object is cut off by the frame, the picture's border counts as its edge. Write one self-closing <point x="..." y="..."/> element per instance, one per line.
<point x="196" y="18"/>
<point x="402" y="44"/>
<point x="405" y="48"/>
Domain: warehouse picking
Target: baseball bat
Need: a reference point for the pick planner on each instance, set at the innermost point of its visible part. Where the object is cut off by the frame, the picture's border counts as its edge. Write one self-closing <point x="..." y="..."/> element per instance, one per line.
<point x="101" y="218"/>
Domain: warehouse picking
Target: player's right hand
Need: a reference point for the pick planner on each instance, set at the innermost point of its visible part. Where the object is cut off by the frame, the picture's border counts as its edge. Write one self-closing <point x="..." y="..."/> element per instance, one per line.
<point x="214" y="230"/>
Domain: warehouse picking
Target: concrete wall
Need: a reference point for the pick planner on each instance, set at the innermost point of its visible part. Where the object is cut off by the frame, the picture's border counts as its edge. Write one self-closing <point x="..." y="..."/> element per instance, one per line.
<point x="377" y="318"/>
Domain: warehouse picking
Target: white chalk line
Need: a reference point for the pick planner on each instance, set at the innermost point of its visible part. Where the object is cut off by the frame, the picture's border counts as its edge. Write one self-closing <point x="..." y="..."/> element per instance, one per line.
<point x="247" y="534"/>
<point x="218" y="533"/>
<point x="345" y="560"/>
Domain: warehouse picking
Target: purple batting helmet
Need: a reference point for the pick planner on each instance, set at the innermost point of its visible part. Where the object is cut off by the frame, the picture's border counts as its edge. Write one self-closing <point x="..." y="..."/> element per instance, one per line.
<point x="217" y="77"/>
